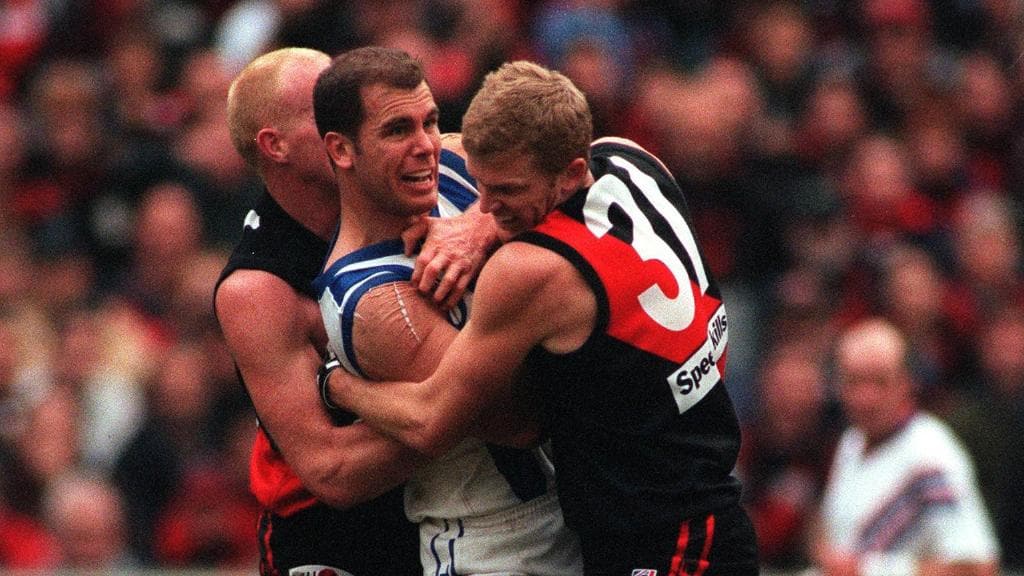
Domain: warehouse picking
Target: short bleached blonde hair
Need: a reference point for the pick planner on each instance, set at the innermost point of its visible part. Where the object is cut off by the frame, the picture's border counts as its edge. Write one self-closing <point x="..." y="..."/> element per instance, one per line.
<point x="257" y="99"/>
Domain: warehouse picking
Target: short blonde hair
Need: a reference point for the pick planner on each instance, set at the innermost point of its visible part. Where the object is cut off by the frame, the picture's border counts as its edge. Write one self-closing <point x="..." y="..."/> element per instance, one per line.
<point x="526" y="108"/>
<point x="256" y="96"/>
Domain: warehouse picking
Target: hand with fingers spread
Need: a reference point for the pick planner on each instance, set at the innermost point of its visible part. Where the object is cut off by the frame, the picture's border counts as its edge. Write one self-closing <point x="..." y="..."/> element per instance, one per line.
<point x="453" y="252"/>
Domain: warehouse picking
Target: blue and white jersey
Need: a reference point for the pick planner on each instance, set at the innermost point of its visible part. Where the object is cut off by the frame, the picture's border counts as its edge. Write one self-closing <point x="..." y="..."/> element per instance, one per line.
<point x="341" y="286"/>
<point x="456" y="188"/>
<point x="474" y="479"/>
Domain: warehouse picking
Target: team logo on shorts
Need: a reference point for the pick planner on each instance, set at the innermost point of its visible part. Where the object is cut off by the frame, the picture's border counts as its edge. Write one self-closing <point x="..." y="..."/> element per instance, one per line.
<point x="317" y="570"/>
<point x="252" y="220"/>
<point x="643" y="572"/>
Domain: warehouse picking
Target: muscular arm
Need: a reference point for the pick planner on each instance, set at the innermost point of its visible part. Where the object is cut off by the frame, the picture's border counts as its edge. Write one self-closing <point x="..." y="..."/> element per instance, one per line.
<point x="271" y="332"/>
<point x="525" y="296"/>
<point x="399" y="335"/>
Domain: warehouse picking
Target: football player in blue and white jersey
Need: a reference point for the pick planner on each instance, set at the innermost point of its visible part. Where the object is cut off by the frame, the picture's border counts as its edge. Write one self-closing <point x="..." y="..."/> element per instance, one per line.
<point x="482" y="508"/>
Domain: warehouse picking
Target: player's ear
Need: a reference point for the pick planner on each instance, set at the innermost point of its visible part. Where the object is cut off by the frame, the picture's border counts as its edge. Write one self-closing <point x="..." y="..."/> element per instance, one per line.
<point x="340" y="148"/>
<point x="574" y="175"/>
<point x="272" y="145"/>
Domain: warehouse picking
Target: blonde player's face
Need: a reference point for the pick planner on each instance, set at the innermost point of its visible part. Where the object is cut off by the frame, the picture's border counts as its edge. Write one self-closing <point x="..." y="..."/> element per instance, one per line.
<point x="513" y="190"/>
<point x="306" y="148"/>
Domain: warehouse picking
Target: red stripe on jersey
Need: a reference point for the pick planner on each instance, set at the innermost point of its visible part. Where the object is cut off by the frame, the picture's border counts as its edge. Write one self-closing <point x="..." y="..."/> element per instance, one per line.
<point x="678" y="564"/>
<point x="619" y="266"/>
<point x="267" y="551"/>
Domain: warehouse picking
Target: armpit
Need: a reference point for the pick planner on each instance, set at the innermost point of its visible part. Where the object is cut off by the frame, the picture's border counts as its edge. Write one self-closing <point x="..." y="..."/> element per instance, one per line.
<point x="397" y="334"/>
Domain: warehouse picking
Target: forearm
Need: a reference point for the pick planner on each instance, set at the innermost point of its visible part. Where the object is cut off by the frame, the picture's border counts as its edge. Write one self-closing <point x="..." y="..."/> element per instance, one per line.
<point x="403" y="411"/>
<point x="367" y="465"/>
<point x="340" y="465"/>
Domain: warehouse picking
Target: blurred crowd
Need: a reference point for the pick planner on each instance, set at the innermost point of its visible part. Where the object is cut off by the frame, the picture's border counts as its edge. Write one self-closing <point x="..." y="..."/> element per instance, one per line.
<point x="841" y="159"/>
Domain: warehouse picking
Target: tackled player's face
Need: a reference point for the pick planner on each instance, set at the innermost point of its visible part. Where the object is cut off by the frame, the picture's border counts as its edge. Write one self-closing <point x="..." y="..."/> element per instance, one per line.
<point x="398" y="149"/>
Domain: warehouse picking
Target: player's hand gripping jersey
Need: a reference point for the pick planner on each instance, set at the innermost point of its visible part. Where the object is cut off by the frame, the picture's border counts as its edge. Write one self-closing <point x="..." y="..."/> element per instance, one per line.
<point x="482" y="508"/>
<point x="643" y="430"/>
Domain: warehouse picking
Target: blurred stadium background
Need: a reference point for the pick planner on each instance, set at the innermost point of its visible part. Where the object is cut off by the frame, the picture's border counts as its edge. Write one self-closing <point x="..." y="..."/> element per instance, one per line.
<point x="841" y="158"/>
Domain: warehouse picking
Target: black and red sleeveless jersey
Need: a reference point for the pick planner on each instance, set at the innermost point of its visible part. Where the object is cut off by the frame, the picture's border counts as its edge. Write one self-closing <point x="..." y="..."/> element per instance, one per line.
<point x="274" y="242"/>
<point x="643" y="430"/>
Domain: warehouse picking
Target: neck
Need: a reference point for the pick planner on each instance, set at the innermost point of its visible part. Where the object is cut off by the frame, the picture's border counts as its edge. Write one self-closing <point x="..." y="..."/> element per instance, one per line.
<point x="361" y="229"/>
<point x="907" y="412"/>
<point x="566" y="193"/>
<point x="316" y="210"/>
<point x="364" y="223"/>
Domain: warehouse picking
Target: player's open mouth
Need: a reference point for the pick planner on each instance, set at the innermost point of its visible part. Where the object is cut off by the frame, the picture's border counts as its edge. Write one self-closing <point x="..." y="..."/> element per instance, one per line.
<point x="424" y="177"/>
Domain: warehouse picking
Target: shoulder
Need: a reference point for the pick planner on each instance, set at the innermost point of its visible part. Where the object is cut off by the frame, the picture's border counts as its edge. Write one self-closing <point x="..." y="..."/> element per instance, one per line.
<point x="534" y="273"/>
<point x="453" y="141"/>
<point x="247" y="288"/>
<point x="393" y="328"/>
<point x="516" y="282"/>
<point x="250" y="299"/>
<point x="396" y="298"/>
<point x="936" y="443"/>
<point x="609" y="145"/>
<point x="524" y="263"/>
<point x="633" y="153"/>
<point x="626" y="142"/>
<point x="536" y="290"/>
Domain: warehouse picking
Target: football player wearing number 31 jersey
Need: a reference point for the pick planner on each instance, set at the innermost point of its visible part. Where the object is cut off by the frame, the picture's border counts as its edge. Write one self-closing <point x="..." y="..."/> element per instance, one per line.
<point x="600" y="309"/>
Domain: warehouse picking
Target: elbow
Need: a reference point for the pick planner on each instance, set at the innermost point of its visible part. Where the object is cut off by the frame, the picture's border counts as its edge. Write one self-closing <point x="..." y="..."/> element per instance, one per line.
<point x="335" y="497"/>
<point x="330" y="484"/>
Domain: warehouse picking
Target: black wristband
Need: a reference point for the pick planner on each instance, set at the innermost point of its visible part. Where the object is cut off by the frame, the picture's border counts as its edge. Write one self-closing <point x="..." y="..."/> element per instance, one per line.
<point x="338" y="415"/>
